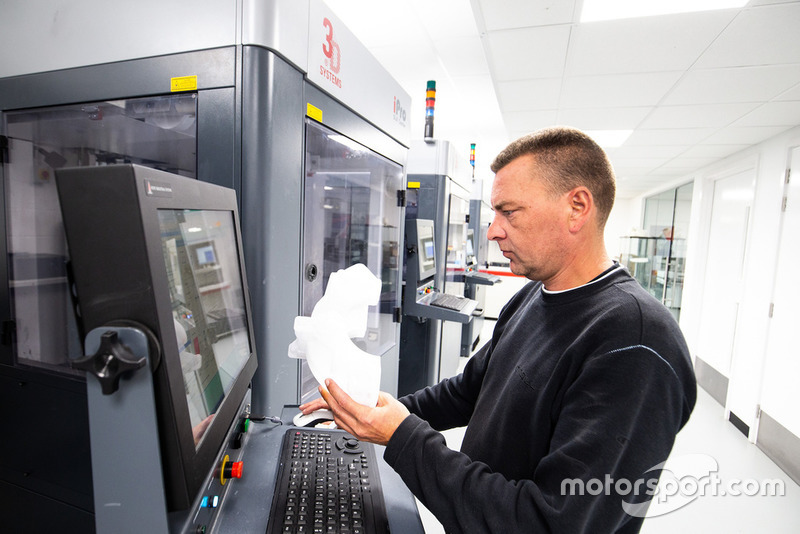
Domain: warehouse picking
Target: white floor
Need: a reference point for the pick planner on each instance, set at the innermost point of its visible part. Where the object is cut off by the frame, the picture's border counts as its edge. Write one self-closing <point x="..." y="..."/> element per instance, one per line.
<point x="711" y="460"/>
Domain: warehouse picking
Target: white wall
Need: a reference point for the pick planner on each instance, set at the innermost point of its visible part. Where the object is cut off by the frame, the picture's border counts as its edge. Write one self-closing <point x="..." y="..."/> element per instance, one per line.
<point x="753" y="372"/>
<point x="623" y="218"/>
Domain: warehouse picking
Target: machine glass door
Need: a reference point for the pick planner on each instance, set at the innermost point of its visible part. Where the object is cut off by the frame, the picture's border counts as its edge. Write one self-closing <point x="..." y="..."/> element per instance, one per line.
<point x="456" y="244"/>
<point x="157" y="132"/>
<point x="351" y="215"/>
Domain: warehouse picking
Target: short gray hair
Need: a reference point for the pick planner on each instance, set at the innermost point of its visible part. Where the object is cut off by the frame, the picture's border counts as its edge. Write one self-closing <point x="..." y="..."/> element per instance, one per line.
<point x="568" y="158"/>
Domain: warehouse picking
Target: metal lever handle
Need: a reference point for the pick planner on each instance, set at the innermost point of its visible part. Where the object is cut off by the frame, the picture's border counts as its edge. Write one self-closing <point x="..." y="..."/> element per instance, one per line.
<point x="110" y="362"/>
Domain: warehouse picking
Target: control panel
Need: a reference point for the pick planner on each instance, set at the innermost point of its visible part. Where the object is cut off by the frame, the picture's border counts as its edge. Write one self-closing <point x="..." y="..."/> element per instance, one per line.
<point x="424" y="290"/>
<point x="228" y="469"/>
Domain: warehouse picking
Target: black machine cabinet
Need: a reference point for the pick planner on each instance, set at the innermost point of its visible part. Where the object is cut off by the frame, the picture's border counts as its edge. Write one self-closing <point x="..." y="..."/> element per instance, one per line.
<point x="242" y="125"/>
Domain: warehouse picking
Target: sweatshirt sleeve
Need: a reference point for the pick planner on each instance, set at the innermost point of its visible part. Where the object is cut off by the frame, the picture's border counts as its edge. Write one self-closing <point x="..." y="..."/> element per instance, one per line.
<point x="616" y="421"/>
<point x="450" y="403"/>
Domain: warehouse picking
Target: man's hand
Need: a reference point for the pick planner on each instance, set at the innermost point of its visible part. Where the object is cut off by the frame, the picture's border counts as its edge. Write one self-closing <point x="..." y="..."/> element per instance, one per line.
<point x="376" y="424"/>
<point x="313" y="406"/>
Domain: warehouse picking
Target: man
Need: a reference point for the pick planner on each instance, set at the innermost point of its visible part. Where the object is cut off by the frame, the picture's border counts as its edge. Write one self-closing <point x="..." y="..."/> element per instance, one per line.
<point x="584" y="384"/>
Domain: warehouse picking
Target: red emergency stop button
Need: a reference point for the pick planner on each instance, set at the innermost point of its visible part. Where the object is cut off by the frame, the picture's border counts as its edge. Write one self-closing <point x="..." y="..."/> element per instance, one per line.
<point x="229" y="470"/>
<point x="235" y="470"/>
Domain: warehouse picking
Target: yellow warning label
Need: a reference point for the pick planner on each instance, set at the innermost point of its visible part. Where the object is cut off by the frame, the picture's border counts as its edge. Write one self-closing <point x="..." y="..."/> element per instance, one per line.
<point x="183" y="83"/>
<point x="314" y="112"/>
<point x="413" y="185"/>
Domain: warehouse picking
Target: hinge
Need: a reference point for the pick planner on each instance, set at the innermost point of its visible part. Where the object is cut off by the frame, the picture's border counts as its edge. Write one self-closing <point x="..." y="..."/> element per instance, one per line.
<point x="397" y="314"/>
<point x="758" y="412"/>
<point x="401" y="198"/>
<point x="771" y="309"/>
<point x="783" y="204"/>
<point x="466" y="218"/>
<point x="788" y="176"/>
<point x="4" y="149"/>
<point x="7" y="334"/>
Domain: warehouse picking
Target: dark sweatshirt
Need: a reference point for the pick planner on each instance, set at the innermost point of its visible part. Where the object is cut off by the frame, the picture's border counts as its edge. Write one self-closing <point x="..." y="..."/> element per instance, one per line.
<point x="587" y="386"/>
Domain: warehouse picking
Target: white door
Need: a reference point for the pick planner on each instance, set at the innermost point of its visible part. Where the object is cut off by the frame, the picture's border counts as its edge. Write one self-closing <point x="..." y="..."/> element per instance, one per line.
<point x="780" y="397"/>
<point x="727" y="242"/>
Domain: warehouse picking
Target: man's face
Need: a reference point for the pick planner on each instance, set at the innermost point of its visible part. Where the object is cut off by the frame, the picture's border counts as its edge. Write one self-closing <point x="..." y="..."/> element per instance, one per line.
<point x="530" y="223"/>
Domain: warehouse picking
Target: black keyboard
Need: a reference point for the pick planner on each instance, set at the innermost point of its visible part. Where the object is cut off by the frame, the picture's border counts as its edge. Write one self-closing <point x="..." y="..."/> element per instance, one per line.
<point x="328" y="482"/>
<point x="451" y="302"/>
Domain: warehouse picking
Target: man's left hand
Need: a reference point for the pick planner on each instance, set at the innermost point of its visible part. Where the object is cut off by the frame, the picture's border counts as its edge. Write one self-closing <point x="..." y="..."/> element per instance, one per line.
<point x="376" y="424"/>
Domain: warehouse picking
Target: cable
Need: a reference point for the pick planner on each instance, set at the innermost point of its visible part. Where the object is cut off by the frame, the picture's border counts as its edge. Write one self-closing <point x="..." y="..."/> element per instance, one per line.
<point x="262" y="418"/>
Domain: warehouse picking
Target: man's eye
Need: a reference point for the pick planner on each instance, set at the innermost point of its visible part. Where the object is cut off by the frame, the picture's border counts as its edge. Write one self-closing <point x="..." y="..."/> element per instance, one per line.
<point x="507" y="213"/>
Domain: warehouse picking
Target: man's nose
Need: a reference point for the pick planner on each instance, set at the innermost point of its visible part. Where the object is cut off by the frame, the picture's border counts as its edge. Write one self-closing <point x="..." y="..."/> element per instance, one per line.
<point x="495" y="232"/>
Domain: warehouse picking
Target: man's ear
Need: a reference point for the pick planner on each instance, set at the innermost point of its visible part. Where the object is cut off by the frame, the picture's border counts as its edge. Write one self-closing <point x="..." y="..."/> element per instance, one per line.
<point x="582" y="208"/>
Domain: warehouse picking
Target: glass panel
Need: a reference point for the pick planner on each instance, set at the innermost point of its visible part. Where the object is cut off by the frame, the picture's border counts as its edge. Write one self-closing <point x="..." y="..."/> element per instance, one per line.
<point x="637" y="257"/>
<point x="350" y="216"/>
<point x="208" y="309"/>
<point x="157" y="132"/>
<point x="456" y="245"/>
<point x="677" y="262"/>
<point x="657" y="259"/>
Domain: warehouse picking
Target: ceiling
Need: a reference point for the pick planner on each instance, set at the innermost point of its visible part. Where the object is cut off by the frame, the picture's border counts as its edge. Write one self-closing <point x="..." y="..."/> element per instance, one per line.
<point x="694" y="88"/>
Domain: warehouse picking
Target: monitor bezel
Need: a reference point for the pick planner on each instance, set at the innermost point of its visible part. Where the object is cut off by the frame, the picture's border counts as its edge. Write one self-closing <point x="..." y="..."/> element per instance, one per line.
<point x="196" y="460"/>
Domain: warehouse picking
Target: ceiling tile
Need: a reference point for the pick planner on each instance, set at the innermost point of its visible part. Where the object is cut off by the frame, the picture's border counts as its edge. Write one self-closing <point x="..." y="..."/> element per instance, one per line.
<point x="524" y="13"/>
<point x="745" y="135"/>
<point x="772" y="114"/>
<point x="764" y="35"/>
<point x="791" y="94"/>
<point x="522" y="122"/>
<point x="529" y="94"/>
<point x="646" y="164"/>
<point x="676" y="136"/>
<point x="769" y="2"/>
<point x="603" y="118"/>
<point x="713" y="151"/>
<point x="685" y="165"/>
<point x="655" y="151"/>
<point x="528" y="53"/>
<point x="442" y="19"/>
<point x="620" y="90"/>
<point x="462" y="56"/>
<point x="742" y="84"/>
<point x="625" y="174"/>
<point x="699" y="116"/>
<point x="650" y="44"/>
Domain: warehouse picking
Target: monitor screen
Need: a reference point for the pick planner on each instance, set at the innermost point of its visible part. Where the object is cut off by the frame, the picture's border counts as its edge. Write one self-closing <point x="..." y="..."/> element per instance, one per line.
<point x="428" y="250"/>
<point x="210" y="322"/>
<point x="205" y="254"/>
<point x="164" y="252"/>
<point x="426" y="247"/>
<point x="471" y="259"/>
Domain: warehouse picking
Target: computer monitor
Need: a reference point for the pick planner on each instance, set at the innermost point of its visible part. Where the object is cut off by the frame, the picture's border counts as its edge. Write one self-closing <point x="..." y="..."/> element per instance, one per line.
<point x="140" y="243"/>
<point x="426" y="249"/>
<point x="471" y="256"/>
<point x="205" y="253"/>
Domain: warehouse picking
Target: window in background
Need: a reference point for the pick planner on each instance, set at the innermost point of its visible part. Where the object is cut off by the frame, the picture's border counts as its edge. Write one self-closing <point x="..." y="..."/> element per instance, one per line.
<point x="657" y="256"/>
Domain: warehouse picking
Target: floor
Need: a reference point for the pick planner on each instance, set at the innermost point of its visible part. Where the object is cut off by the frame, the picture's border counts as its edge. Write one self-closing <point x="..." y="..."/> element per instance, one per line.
<point x="710" y="461"/>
